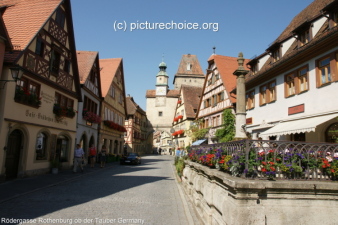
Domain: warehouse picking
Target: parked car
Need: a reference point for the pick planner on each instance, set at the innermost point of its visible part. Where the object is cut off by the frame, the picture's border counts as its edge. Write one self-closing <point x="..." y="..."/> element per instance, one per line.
<point x="131" y="158"/>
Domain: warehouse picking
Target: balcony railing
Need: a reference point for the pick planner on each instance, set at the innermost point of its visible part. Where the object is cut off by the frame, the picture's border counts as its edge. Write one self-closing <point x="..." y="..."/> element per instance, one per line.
<point x="271" y="159"/>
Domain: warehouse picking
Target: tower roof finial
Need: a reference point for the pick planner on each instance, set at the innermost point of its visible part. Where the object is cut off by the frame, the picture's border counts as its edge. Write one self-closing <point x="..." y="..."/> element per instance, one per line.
<point x="214" y="50"/>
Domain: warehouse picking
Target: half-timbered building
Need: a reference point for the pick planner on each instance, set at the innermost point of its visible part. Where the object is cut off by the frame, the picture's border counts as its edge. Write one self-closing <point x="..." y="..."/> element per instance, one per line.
<point x="216" y="95"/>
<point x="185" y="115"/>
<point x="89" y="109"/>
<point x="38" y="112"/>
<point x="113" y="107"/>
<point x="137" y="135"/>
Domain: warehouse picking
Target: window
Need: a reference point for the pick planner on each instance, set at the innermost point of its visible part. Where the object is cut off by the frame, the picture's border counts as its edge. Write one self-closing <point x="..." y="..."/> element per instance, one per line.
<point x="92" y="77"/>
<point x="41" y="147"/>
<point x="267" y="93"/>
<point x="160" y="113"/>
<point x="263" y="96"/>
<point x="254" y="68"/>
<point x="324" y="71"/>
<point x="27" y="92"/>
<point x="55" y="62"/>
<point x="304" y="38"/>
<point x="331" y="134"/>
<point x="39" y="48"/>
<point x="112" y="91"/>
<point x="290" y="89"/>
<point x="89" y="105"/>
<point x="250" y="100"/>
<point x="302" y="80"/>
<point x="272" y="91"/>
<point x="60" y="17"/>
<point x="63" y="101"/>
<point x="335" y="18"/>
<point x="214" y="100"/>
<point x="189" y="66"/>
<point x="276" y="55"/>
<point x="66" y="67"/>
<point x="121" y="98"/>
<point x="207" y="103"/>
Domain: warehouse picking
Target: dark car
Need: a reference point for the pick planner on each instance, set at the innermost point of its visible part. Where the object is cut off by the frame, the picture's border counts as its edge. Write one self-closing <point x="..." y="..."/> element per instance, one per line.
<point x="131" y="158"/>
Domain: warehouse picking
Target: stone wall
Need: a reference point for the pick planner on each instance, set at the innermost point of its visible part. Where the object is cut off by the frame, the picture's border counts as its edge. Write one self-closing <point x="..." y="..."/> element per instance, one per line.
<point x="220" y="198"/>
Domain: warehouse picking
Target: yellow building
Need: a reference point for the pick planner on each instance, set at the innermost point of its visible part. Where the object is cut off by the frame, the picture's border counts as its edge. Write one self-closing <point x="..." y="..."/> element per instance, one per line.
<point x="113" y="107"/>
<point x="37" y="116"/>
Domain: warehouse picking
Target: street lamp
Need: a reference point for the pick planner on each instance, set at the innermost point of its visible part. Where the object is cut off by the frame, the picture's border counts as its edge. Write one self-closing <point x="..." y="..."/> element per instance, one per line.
<point x="16" y="72"/>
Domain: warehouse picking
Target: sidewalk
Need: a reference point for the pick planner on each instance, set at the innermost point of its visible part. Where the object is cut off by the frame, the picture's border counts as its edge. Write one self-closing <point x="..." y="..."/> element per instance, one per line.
<point x="21" y="186"/>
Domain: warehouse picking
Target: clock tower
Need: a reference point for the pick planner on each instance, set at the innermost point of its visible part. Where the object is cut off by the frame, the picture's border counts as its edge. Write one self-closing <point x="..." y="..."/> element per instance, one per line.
<point x="162" y="80"/>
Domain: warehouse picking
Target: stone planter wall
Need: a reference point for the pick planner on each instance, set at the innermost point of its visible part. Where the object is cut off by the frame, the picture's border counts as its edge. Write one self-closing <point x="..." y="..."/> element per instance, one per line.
<point x="220" y="198"/>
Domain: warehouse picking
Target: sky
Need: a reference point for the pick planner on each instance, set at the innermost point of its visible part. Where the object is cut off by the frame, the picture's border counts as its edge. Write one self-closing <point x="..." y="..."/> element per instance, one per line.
<point x="145" y="32"/>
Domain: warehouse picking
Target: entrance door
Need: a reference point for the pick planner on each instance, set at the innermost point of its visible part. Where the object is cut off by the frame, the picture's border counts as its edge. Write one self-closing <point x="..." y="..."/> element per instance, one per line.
<point x="13" y="154"/>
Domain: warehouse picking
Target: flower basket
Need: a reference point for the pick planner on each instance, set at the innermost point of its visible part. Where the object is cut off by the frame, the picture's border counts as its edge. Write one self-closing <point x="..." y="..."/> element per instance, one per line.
<point x="114" y="126"/>
<point x="90" y="116"/>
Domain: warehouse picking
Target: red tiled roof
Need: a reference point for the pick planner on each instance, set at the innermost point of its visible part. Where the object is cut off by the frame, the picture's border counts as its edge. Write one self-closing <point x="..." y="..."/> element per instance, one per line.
<point x="196" y="68"/>
<point x="132" y="107"/>
<point x="191" y="98"/>
<point x="170" y="93"/>
<point x="85" y="61"/>
<point x="226" y="66"/>
<point x="23" y="19"/>
<point x="108" y="70"/>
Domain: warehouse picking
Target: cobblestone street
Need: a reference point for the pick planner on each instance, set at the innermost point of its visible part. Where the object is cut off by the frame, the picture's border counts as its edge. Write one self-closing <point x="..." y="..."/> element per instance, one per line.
<point x="126" y="194"/>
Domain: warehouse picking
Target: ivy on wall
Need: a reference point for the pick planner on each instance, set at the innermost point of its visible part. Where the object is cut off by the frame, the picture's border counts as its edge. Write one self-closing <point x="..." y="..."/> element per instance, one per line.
<point x="228" y="131"/>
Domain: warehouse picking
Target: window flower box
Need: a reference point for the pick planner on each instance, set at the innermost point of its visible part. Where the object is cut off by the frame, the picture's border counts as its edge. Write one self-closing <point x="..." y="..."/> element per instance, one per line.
<point x="23" y="96"/>
<point x="61" y="112"/>
<point x="90" y="116"/>
<point x="114" y="126"/>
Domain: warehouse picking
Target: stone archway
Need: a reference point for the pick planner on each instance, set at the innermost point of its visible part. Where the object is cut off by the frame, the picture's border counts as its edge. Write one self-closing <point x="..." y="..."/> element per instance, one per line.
<point x="14" y="146"/>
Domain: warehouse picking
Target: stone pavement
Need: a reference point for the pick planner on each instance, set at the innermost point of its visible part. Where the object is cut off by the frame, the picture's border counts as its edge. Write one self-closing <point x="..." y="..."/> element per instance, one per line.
<point x="24" y="194"/>
<point x="21" y="186"/>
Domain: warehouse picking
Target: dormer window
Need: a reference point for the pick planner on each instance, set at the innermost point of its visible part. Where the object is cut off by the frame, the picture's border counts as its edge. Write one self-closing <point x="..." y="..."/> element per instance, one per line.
<point x="254" y="68"/>
<point x="304" y="38"/>
<point x="276" y="55"/>
<point x="335" y="18"/>
<point x="189" y="66"/>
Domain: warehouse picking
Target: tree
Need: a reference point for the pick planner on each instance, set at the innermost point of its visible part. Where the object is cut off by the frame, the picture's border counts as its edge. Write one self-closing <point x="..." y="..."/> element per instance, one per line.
<point x="227" y="132"/>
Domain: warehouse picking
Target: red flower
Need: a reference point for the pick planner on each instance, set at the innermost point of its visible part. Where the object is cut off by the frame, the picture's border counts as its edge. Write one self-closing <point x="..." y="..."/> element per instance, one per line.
<point x="272" y="168"/>
<point x="264" y="163"/>
<point x="263" y="170"/>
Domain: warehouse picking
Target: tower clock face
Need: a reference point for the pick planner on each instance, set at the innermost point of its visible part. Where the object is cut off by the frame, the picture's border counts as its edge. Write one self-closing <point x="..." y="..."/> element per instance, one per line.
<point x="161" y="91"/>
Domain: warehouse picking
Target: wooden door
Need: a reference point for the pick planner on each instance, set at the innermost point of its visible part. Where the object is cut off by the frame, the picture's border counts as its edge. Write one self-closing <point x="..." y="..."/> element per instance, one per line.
<point x="14" y="145"/>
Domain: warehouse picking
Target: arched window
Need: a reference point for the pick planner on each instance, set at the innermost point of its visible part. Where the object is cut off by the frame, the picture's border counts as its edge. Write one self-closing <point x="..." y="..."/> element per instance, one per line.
<point x="41" y="147"/>
<point x="331" y="134"/>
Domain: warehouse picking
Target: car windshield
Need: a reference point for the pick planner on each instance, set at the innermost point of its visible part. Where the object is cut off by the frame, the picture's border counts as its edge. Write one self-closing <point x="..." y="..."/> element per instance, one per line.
<point x="132" y="154"/>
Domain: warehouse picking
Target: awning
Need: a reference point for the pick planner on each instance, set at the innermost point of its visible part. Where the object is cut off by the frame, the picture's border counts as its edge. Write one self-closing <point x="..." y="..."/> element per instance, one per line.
<point x="297" y="126"/>
<point x="199" y="142"/>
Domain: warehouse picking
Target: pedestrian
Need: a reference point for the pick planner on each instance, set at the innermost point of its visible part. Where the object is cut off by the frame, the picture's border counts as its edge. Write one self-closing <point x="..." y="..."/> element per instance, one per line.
<point x="78" y="158"/>
<point x="92" y="156"/>
<point x="103" y="156"/>
<point x="159" y="151"/>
